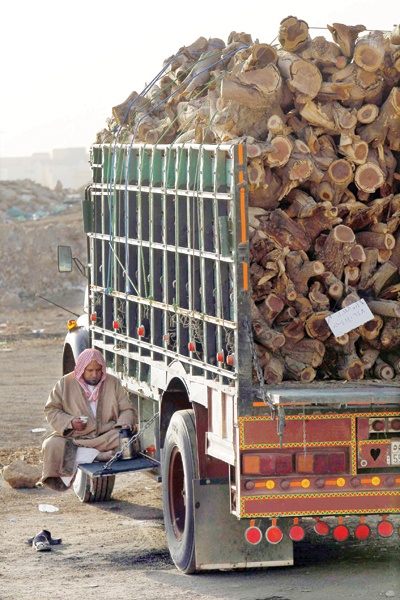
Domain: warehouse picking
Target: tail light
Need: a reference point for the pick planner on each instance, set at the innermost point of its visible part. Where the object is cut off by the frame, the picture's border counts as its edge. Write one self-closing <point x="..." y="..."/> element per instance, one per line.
<point x="321" y="527"/>
<point x="341" y="532"/>
<point x="265" y="463"/>
<point x="385" y="528"/>
<point x="274" y="534"/>
<point x="319" y="463"/>
<point x="362" y="531"/>
<point x="253" y="535"/>
<point x="296" y="532"/>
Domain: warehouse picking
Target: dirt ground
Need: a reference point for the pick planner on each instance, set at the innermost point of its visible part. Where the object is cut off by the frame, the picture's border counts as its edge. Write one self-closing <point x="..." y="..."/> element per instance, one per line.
<point x="117" y="549"/>
<point x="97" y="539"/>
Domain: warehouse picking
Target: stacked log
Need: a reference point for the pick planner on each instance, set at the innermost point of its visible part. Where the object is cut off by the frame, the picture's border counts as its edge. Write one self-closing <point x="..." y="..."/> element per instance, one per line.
<point x="321" y="123"/>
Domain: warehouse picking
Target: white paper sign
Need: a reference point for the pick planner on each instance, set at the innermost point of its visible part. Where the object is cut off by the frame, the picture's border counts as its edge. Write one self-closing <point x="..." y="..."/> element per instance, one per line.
<point x="349" y="318"/>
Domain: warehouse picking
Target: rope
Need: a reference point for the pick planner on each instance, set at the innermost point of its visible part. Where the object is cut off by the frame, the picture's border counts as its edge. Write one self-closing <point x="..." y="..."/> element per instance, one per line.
<point x="111" y="194"/>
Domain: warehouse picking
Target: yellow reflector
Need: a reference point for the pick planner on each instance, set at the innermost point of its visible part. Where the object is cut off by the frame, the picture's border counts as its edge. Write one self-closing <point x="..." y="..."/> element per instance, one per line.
<point x="72" y="324"/>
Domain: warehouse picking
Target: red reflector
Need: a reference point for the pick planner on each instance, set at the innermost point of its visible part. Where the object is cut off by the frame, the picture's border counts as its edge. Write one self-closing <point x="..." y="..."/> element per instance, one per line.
<point x="93" y="317"/>
<point x="362" y="531"/>
<point x="220" y="357"/>
<point x="249" y="485"/>
<point x="385" y="528"/>
<point x="341" y="533"/>
<point x="115" y="324"/>
<point x="296" y="533"/>
<point x="274" y="535"/>
<point x="140" y="330"/>
<point x="230" y="360"/>
<point x="378" y="425"/>
<point x="395" y="424"/>
<point x="253" y="535"/>
<point x="191" y="347"/>
<point x="321" y="528"/>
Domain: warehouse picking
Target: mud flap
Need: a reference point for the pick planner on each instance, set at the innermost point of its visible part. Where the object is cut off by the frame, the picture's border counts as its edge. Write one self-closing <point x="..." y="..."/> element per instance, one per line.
<point x="219" y="535"/>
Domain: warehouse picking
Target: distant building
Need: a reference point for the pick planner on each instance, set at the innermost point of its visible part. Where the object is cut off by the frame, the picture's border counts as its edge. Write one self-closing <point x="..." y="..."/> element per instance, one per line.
<point x="70" y="166"/>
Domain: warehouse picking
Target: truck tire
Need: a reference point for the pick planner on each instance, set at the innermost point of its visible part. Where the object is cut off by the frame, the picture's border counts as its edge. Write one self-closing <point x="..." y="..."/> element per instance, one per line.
<point x="96" y="489"/>
<point x="179" y="470"/>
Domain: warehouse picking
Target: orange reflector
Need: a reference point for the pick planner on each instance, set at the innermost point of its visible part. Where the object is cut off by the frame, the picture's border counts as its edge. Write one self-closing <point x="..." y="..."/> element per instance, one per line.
<point x="341" y="533"/>
<point x="274" y="535"/>
<point x="191" y="346"/>
<point x="304" y="463"/>
<point x="362" y="531"/>
<point x="385" y="528"/>
<point x="72" y="324"/>
<point x="141" y="330"/>
<point x="253" y="535"/>
<point x="321" y="528"/>
<point x="297" y="533"/>
<point x="251" y="464"/>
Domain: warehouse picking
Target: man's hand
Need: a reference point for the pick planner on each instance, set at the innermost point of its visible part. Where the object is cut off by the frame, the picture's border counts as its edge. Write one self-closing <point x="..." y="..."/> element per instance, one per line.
<point x="77" y="424"/>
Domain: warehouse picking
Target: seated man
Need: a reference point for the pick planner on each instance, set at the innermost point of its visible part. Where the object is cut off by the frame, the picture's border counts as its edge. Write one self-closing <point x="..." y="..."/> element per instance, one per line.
<point x="86" y="408"/>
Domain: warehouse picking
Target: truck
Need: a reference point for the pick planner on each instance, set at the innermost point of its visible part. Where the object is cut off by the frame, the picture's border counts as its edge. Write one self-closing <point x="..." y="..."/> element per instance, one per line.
<point x="246" y="468"/>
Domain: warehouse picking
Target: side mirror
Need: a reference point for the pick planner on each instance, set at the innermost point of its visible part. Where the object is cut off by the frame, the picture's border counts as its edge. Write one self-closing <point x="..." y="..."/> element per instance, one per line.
<point x="64" y="259"/>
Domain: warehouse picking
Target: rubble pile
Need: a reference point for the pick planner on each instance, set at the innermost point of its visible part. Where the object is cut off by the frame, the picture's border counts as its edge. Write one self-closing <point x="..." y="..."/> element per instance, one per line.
<point x="25" y="200"/>
<point x="34" y="220"/>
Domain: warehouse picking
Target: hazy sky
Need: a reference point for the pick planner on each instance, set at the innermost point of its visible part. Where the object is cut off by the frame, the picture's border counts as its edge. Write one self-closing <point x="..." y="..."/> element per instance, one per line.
<point x="65" y="65"/>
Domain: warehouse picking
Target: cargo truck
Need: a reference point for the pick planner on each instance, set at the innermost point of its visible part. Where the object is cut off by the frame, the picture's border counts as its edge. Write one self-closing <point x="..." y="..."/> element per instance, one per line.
<point x="245" y="467"/>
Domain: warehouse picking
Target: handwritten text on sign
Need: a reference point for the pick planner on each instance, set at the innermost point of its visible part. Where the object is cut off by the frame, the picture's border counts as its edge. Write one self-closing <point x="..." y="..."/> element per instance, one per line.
<point x="349" y="318"/>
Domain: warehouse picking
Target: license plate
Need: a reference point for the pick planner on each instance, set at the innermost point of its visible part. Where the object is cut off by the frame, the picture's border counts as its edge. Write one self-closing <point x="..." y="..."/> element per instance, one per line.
<point x="395" y="453"/>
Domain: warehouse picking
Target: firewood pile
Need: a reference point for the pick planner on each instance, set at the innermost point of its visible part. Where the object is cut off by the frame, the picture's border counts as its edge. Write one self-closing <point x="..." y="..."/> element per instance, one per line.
<point x="321" y="123"/>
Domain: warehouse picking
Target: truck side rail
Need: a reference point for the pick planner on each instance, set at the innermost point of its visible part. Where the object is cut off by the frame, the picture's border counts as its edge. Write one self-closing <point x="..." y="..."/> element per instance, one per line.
<point x="169" y="260"/>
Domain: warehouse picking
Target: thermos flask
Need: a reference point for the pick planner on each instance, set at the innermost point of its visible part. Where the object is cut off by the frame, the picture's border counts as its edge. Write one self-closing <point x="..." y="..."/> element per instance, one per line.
<point x="128" y="452"/>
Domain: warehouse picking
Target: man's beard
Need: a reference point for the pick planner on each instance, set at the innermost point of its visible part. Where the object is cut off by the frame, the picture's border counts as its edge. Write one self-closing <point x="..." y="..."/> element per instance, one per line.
<point x="93" y="381"/>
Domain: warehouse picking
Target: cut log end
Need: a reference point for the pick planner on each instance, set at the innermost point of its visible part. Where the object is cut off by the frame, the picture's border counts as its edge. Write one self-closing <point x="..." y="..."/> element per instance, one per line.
<point x="367" y="113"/>
<point x="369" y="177"/>
<point x="293" y="33"/>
